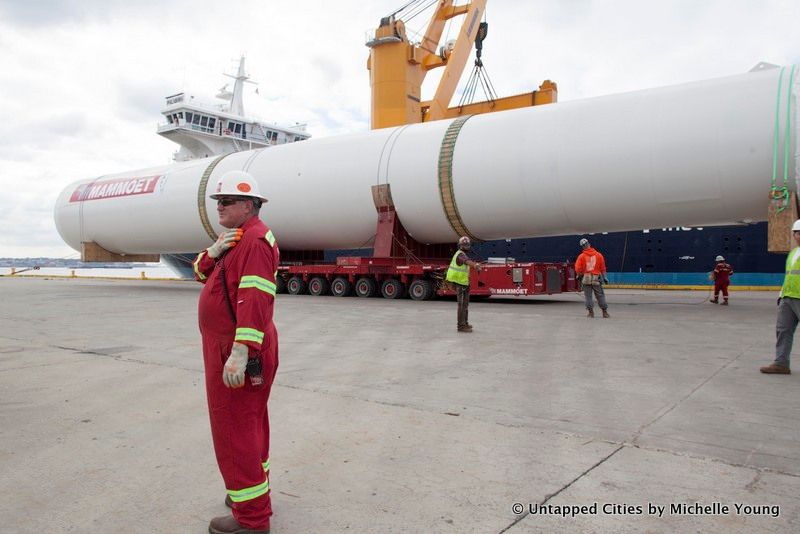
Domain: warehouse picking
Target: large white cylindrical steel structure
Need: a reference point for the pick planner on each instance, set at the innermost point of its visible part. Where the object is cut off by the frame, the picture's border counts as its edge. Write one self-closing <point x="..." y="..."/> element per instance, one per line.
<point x="696" y="154"/>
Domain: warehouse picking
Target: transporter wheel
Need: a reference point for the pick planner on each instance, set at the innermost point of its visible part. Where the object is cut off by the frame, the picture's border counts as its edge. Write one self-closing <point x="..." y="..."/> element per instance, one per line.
<point x="366" y="287"/>
<point x="318" y="286"/>
<point x="341" y="287"/>
<point x="420" y="289"/>
<point x="393" y="289"/>
<point x="280" y="283"/>
<point x="296" y="286"/>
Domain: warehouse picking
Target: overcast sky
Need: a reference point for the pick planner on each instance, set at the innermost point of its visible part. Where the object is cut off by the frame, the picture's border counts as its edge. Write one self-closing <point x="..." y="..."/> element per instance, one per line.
<point x="82" y="81"/>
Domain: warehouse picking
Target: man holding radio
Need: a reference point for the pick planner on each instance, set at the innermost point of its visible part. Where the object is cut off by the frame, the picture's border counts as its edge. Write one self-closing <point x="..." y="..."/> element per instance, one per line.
<point x="240" y="349"/>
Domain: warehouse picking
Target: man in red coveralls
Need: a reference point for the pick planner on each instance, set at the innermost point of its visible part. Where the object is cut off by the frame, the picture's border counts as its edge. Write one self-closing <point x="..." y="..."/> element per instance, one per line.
<point x="240" y="349"/>
<point x="722" y="279"/>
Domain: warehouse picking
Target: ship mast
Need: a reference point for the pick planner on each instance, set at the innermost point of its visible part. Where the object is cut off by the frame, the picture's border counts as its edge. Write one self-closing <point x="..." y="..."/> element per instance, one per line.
<point x="237" y="105"/>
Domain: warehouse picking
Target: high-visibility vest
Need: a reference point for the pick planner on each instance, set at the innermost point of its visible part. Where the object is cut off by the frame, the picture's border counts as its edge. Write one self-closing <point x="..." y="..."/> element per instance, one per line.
<point x="458" y="274"/>
<point x="791" y="282"/>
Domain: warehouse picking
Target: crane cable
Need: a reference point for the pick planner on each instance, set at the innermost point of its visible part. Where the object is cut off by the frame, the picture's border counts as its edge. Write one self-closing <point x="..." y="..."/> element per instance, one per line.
<point x="479" y="74"/>
<point x="418" y="11"/>
<point x="404" y="7"/>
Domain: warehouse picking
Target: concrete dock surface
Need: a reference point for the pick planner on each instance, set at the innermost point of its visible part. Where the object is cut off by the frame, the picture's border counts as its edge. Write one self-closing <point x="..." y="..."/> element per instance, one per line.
<point x="385" y="419"/>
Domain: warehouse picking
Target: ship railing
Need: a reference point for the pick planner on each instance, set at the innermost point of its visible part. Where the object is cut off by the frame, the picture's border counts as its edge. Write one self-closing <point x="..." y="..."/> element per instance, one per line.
<point x="174" y="126"/>
<point x="256" y="137"/>
<point x="166" y="127"/>
<point x="199" y="128"/>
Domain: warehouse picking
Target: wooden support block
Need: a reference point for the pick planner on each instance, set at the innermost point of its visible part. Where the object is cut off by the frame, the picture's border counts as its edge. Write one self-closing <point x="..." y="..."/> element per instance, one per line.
<point x="779" y="227"/>
<point x="92" y="252"/>
<point x="382" y="196"/>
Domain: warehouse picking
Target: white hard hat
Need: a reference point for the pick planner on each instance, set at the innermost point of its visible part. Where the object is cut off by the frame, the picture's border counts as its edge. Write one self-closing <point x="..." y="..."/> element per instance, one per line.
<point x="464" y="240"/>
<point x="237" y="184"/>
<point x="719" y="258"/>
<point x="584" y="242"/>
<point x="796" y="226"/>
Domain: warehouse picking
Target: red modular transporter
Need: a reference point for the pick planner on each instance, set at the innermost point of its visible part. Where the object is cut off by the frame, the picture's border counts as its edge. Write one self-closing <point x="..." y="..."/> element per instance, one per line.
<point x="395" y="278"/>
<point x="401" y="266"/>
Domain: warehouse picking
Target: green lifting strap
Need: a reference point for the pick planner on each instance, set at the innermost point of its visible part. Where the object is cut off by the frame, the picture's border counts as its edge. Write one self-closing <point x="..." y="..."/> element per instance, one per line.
<point x="781" y="193"/>
<point x="776" y="130"/>
<point x="788" y="133"/>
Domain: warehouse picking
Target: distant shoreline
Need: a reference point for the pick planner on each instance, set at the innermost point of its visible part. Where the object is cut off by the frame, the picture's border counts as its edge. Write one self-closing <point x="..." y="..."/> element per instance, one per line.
<point x="153" y="271"/>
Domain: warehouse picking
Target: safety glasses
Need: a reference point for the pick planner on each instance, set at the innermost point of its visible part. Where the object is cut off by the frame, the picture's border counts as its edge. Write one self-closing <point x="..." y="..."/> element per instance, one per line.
<point x="227" y="201"/>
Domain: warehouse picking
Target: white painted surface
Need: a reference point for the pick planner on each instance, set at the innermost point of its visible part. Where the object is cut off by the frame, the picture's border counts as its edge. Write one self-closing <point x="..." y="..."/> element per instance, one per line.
<point x="693" y="154"/>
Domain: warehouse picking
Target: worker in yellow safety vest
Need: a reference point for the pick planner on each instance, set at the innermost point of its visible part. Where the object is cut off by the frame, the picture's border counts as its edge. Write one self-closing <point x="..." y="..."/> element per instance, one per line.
<point x="788" y="310"/>
<point x="458" y="275"/>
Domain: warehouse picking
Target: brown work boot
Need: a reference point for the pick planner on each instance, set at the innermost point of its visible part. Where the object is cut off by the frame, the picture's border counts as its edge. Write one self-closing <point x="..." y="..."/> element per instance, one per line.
<point x="713" y="301"/>
<point x="465" y="328"/>
<point x="228" y="501"/>
<point x="229" y="525"/>
<point x="775" y="369"/>
<point x="606" y="315"/>
<point x="724" y="302"/>
<point x="590" y="314"/>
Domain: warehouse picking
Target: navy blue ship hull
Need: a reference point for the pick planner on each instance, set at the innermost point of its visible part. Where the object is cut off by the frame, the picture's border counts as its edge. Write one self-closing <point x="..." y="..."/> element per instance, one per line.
<point x="672" y="256"/>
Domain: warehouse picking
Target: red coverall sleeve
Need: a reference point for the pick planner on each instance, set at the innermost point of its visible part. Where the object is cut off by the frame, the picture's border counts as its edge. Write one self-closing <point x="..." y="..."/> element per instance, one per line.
<point x="203" y="267"/>
<point x="601" y="263"/>
<point x="255" y="296"/>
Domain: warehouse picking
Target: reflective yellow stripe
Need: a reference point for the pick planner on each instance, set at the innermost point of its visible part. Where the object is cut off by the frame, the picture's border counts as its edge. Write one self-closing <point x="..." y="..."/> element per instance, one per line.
<point x="196" y="266"/>
<point x="259" y="283"/>
<point x="250" y="493"/>
<point x="249" y="334"/>
<point x="265" y="465"/>
<point x="270" y="237"/>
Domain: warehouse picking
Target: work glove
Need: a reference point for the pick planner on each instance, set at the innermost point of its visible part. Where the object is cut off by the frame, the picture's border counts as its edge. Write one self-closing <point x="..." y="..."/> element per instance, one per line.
<point x="233" y="372"/>
<point x="605" y="280"/>
<point x="225" y="241"/>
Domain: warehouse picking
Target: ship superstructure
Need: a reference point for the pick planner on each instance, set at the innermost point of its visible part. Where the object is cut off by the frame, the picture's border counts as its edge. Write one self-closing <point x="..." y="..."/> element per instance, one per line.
<point x="204" y="130"/>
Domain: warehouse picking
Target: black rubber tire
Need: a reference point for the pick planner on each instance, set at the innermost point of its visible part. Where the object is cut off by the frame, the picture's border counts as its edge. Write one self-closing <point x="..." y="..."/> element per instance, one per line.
<point x="296" y="286"/>
<point x="366" y="287"/>
<point x="393" y="289"/>
<point x="420" y="289"/>
<point x="280" y="283"/>
<point x="318" y="285"/>
<point x="341" y="287"/>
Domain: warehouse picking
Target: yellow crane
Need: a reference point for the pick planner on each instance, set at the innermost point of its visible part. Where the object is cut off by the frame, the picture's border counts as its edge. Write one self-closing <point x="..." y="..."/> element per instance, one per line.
<point x="398" y="68"/>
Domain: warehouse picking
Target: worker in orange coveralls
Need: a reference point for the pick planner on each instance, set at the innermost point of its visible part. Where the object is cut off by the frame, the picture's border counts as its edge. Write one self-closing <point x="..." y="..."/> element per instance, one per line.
<point x="721" y="275"/>
<point x="240" y="350"/>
